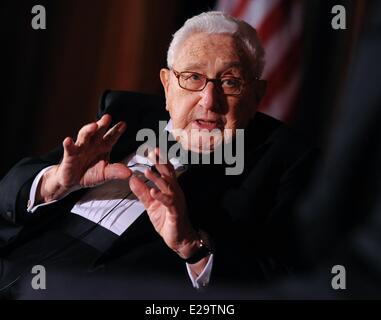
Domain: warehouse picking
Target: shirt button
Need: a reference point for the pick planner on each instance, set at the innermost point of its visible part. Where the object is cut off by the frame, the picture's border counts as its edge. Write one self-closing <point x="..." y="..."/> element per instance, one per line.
<point x="9" y="214"/>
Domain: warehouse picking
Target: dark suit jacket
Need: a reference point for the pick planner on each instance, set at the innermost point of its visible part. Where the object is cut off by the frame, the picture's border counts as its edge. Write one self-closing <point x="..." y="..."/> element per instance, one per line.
<point x="250" y="216"/>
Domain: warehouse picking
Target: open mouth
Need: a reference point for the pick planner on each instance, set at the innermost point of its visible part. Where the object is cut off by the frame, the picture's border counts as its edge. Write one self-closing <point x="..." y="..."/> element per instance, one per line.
<point x="207" y="124"/>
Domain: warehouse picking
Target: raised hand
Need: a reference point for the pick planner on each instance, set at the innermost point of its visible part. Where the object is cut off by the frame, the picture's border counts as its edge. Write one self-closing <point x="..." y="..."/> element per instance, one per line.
<point x="85" y="162"/>
<point x="166" y="206"/>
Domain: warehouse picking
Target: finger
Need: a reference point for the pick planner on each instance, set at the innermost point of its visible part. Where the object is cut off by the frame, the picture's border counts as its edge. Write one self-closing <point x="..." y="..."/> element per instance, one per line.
<point x="86" y="133"/>
<point x="141" y="191"/>
<point x="103" y="123"/>
<point x="117" y="171"/>
<point x="163" y="166"/>
<point x="89" y="130"/>
<point x="160" y="196"/>
<point x="113" y="134"/>
<point x="162" y="184"/>
<point x="70" y="148"/>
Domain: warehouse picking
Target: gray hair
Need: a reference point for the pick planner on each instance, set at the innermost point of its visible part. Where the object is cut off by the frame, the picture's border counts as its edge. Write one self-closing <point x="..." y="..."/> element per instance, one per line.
<point x="218" y="22"/>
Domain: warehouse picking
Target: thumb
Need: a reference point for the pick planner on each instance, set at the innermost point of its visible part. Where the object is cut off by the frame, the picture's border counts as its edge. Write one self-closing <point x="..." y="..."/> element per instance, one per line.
<point x="117" y="171"/>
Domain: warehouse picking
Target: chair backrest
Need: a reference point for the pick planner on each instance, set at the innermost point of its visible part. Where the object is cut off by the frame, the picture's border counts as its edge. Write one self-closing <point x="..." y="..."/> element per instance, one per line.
<point x="117" y="99"/>
<point x="138" y="110"/>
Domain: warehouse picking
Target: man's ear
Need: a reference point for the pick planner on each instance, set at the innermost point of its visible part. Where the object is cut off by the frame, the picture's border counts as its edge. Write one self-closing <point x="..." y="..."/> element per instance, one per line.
<point x="164" y="78"/>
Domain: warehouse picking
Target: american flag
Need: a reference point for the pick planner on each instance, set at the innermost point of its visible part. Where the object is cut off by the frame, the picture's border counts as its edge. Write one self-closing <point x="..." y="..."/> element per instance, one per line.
<point x="279" y="26"/>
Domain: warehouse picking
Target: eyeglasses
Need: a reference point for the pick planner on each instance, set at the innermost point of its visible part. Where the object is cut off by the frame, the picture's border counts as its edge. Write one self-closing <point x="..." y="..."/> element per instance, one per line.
<point x="194" y="81"/>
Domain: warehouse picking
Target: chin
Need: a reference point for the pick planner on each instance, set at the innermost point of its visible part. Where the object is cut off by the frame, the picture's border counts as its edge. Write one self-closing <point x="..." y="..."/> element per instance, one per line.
<point x="201" y="144"/>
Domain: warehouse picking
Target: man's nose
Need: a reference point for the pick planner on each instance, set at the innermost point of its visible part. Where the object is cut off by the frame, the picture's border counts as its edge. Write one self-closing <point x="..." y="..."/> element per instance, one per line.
<point x="210" y="96"/>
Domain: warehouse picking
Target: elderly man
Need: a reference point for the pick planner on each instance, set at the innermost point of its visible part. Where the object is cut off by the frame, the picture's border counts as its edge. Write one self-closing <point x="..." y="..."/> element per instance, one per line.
<point x="96" y="204"/>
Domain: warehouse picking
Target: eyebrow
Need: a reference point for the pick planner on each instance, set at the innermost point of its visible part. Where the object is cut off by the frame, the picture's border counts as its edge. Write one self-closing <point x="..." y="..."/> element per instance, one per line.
<point x="200" y="65"/>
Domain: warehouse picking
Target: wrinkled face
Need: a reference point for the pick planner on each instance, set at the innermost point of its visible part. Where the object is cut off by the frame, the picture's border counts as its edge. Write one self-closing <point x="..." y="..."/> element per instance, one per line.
<point x="198" y="113"/>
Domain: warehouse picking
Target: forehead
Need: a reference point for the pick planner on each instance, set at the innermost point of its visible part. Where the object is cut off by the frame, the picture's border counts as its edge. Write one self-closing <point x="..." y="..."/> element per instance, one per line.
<point x="203" y="51"/>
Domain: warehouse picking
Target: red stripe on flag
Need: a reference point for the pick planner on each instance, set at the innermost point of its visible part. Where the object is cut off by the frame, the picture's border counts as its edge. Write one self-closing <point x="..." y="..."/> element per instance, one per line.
<point x="240" y="8"/>
<point x="273" y="22"/>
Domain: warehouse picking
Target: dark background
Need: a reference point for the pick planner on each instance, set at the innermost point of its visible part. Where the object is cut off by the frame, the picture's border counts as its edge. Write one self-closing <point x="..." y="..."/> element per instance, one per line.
<point x="52" y="79"/>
